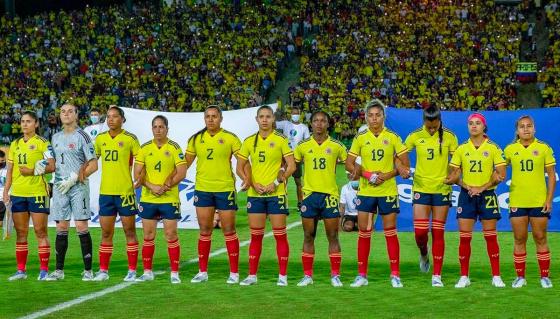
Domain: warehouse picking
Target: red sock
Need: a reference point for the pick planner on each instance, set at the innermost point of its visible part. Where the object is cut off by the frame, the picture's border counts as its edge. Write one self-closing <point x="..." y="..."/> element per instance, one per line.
<point x="204" y="243"/>
<point x="21" y="255"/>
<point x="282" y="249"/>
<point x="438" y="245"/>
<point x="491" y="237"/>
<point x="105" y="252"/>
<point x="307" y="261"/>
<point x="232" y="245"/>
<point x="393" y="249"/>
<point x="336" y="259"/>
<point x="44" y="254"/>
<point x="364" y="243"/>
<point x="519" y="261"/>
<point x="148" y="253"/>
<point x="132" y="253"/>
<point x="421" y="229"/>
<point x="174" y="252"/>
<point x="465" y="251"/>
<point x="255" y="248"/>
<point x="544" y="262"/>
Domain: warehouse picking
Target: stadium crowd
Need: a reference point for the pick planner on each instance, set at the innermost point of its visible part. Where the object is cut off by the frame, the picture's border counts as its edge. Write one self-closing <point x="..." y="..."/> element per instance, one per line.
<point x="550" y="73"/>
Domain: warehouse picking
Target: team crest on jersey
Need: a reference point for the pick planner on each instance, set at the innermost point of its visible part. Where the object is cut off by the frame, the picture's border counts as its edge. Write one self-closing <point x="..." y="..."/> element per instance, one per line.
<point x="513" y="209"/>
<point x="195" y="199"/>
<point x="71" y="146"/>
<point x="328" y="150"/>
<point x="181" y="156"/>
<point x="459" y="210"/>
<point x="121" y="144"/>
<point x="485" y="154"/>
<point x="536" y="153"/>
<point x="140" y="208"/>
<point x="385" y="142"/>
<point x="166" y="153"/>
<point x="248" y="204"/>
<point x="271" y="144"/>
<point x="221" y="141"/>
<point x="32" y="147"/>
<point x="416" y="195"/>
<point x="303" y="208"/>
<point x="358" y="201"/>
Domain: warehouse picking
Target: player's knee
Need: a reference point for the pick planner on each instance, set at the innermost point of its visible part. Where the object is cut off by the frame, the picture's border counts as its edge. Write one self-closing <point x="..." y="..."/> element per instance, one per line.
<point x="540" y="238"/>
<point x="228" y="228"/>
<point x="309" y="237"/>
<point x="40" y="232"/>
<point x="130" y="234"/>
<point x="170" y="235"/>
<point x="107" y="234"/>
<point x="520" y="239"/>
<point x="332" y="237"/>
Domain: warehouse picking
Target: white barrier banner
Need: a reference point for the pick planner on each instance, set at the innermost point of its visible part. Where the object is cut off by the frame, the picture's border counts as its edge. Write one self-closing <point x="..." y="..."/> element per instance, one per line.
<point x="181" y="127"/>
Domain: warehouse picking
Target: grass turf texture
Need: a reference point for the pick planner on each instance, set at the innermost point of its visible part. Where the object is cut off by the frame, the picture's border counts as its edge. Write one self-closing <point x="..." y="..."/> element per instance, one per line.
<point x="216" y="299"/>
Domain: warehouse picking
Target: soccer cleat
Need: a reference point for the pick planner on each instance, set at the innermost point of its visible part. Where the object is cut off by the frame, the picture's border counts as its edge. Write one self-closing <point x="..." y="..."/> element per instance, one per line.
<point x="359" y="281"/>
<point x="19" y="275"/>
<point x="148" y="275"/>
<point x="43" y="274"/>
<point x="250" y="280"/>
<point x="335" y="281"/>
<point x="436" y="281"/>
<point x="463" y="282"/>
<point x="519" y="282"/>
<point x="282" y="280"/>
<point x="87" y="275"/>
<point x="396" y="282"/>
<point x="233" y="278"/>
<point x="175" y="277"/>
<point x="130" y="276"/>
<point x="101" y="276"/>
<point x="202" y="276"/>
<point x="305" y="281"/>
<point x="498" y="282"/>
<point x="545" y="282"/>
<point x="55" y="275"/>
<point x="424" y="262"/>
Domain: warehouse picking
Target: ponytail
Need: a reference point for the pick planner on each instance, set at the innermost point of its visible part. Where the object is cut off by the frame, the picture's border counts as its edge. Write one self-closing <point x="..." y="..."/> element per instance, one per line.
<point x="433" y="113"/>
<point x="440" y="135"/>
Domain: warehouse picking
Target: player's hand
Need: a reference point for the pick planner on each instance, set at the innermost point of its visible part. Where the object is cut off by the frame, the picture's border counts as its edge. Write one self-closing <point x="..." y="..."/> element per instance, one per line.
<point x="497" y="178"/>
<point x="270" y="188"/>
<point x="6" y="198"/>
<point x="475" y="190"/>
<point x="82" y="174"/>
<point x="547" y="208"/>
<point x="245" y="185"/>
<point x="40" y="167"/>
<point x="382" y="177"/>
<point x="64" y="186"/>
<point x="137" y="183"/>
<point x="24" y="171"/>
<point x="261" y="189"/>
<point x="448" y="181"/>
<point x="404" y="172"/>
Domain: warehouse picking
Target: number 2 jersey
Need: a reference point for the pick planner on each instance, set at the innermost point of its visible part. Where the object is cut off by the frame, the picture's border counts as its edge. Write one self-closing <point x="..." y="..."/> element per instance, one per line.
<point x="528" y="186"/>
<point x="117" y="155"/>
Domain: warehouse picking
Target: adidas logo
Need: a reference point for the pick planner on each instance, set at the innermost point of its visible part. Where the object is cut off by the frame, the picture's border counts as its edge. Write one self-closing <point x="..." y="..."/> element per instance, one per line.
<point x="468" y="154"/>
<point x="282" y="207"/>
<point x="394" y="206"/>
<point x="310" y="152"/>
<point x="422" y="141"/>
<point x="516" y="153"/>
<point x="231" y="204"/>
<point x="41" y="206"/>
<point x="368" y="143"/>
<point x="104" y="144"/>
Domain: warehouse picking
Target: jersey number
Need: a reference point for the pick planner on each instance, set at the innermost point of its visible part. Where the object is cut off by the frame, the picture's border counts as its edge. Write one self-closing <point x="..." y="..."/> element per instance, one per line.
<point x="430" y="153"/>
<point x="491" y="202"/>
<point x="62" y="157"/>
<point x="377" y="155"/>
<point x="527" y="165"/>
<point x="111" y="155"/>
<point x="331" y="202"/>
<point x="261" y="157"/>
<point x="158" y="166"/>
<point x="22" y="159"/>
<point x="475" y="165"/>
<point x="319" y="163"/>
<point x="210" y="152"/>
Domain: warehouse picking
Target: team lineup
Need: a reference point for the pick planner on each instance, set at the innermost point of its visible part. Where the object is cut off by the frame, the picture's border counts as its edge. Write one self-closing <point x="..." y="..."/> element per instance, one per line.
<point x="264" y="163"/>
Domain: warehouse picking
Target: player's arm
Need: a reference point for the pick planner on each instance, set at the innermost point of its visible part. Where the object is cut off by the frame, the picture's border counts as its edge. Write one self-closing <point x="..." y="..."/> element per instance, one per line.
<point x="178" y="175"/>
<point x="8" y="183"/>
<point x="402" y="153"/>
<point x="551" y="171"/>
<point x="289" y="170"/>
<point x="243" y="170"/>
<point x="87" y="169"/>
<point x="139" y="174"/>
<point x="350" y="164"/>
<point x="454" y="176"/>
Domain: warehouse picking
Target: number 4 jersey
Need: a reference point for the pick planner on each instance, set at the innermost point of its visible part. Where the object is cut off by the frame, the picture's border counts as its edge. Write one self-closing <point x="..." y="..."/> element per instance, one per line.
<point x="116" y="154"/>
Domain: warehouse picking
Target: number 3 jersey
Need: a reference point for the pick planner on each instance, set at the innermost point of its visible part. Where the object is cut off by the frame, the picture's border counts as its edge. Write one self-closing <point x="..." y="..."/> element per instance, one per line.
<point x="116" y="154"/>
<point x="528" y="186"/>
<point x="377" y="154"/>
<point x="71" y="151"/>
<point x="477" y="164"/>
<point x="431" y="165"/>
<point x="319" y="165"/>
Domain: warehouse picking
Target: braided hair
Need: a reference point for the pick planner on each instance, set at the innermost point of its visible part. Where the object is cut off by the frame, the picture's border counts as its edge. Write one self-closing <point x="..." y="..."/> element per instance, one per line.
<point x="433" y="113"/>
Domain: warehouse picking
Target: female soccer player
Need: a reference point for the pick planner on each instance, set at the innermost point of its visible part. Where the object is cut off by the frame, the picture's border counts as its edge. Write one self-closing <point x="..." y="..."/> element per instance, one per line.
<point x="378" y="192"/>
<point x="116" y="148"/>
<point x="434" y="145"/>
<point x="29" y="158"/>
<point x="164" y="164"/>
<point x="75" y="161"/>
<point x="481" y="165"/>
<point x="267" y="196"/>
<point x="215" y="189"/>
<point x="319" y="155"/>
<point x="530" y="197"/>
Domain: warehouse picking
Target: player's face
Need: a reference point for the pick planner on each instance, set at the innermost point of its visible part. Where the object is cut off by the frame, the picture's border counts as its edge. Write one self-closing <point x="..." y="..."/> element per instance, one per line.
<point x="476" y="127"/>
<point x="526" y="129"/>
<point x="375" y="118"/>
<point x="432" y="126"/>
<point x="28" y="124"/>
<point x="68" y="114"/>
<point x="212" y="119"/>
<point x="159" y="129"/>
<point x="319" y="124"/>
<point x="114" y="119"/>
<point x="265" y="119"/>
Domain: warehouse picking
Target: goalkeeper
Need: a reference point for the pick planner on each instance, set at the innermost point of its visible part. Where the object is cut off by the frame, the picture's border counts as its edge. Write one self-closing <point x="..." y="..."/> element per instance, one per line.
<point x="75" y="161"/>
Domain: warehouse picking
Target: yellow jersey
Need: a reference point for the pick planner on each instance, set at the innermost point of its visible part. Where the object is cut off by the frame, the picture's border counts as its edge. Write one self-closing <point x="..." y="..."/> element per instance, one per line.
<point x="477" y="164"/>
<point x="26" y="154"/>
<point x="377" y="153"/>
<point x="159" y="163"/>
<point x="319" y="165"/>
<point x="116" y="155"/>
<point x="431" y="165"/>
<point x="213" y="166"/>
<point x="528" y="185"/>
<point x="266" y="157"/>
